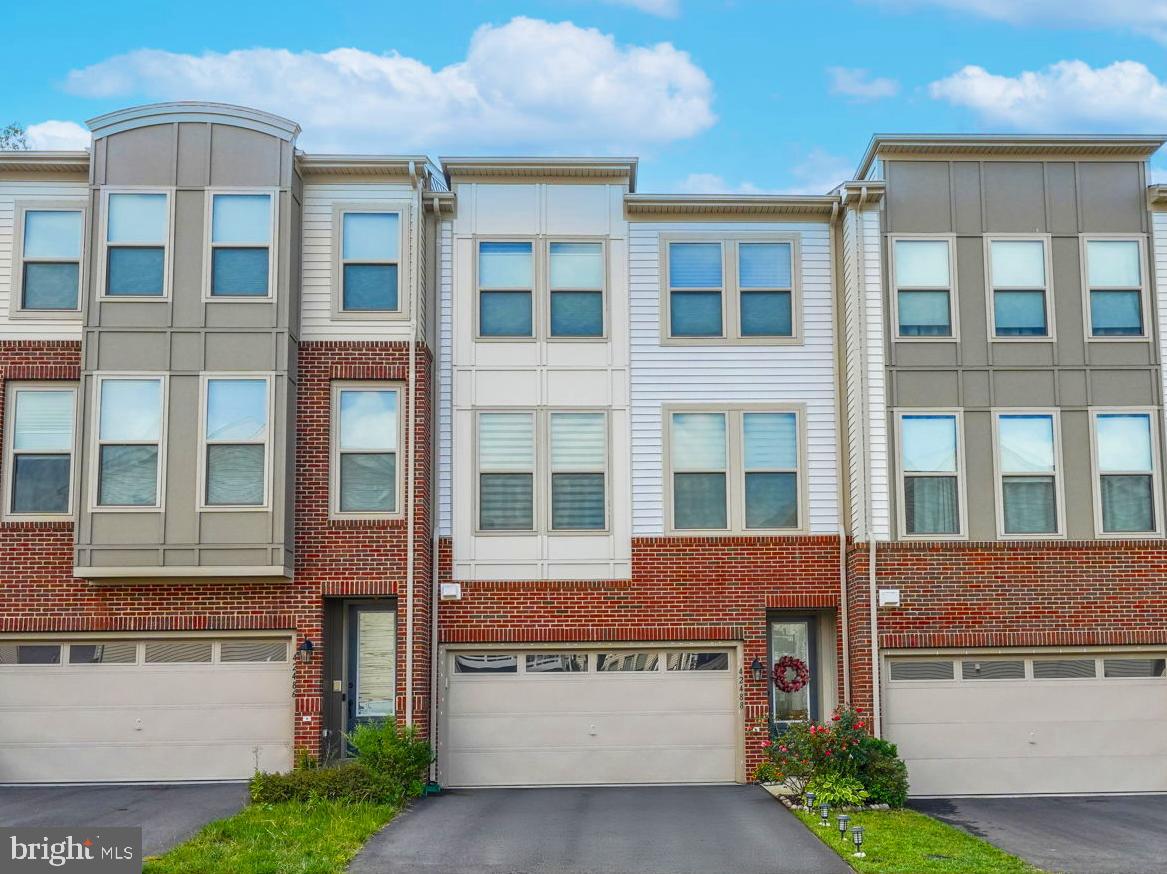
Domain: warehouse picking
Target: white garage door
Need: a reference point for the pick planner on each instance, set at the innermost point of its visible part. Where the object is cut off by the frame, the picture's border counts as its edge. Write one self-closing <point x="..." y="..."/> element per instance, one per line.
<point x="1029" y="723"/>
<point x="572" y="717"/>
<point x="144" y="710"/>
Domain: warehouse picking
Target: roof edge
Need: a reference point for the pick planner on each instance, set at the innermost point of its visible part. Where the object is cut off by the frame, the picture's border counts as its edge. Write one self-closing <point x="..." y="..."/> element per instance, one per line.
<point x="562" y="167"/>
<point x="29" y="161"/>
<point x="823" y="205"/>
<point x="195" y="111"/>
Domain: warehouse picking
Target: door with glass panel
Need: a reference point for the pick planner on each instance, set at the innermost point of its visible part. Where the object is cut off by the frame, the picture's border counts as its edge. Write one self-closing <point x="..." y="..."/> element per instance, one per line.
<point x="793" y="694"/>
<point x="372" y="663"/>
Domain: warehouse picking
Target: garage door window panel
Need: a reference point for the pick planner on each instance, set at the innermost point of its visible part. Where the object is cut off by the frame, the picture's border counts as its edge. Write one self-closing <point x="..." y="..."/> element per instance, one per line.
<point x="1126" y="463"/>
<point x="105" y="652"/>
<point x="1027" y="458"/>
<point x="30" y="654"/>
<point x="993" y="669"/>
<point x="244" y="650"/>
<point x="930" y="466"/>
<point x="486" y="663"/>
<point x="506" y="471"/>
<point x="627" y="662"/>
<point x="1065" y="669"/>
<point x="556" y="663"/>
<point x="178" y="652"/>
<point x="910" y="670"/>
<point x="697" y="661"/>
<point x="129" y="433"/>
<point x="1133" y="668"/>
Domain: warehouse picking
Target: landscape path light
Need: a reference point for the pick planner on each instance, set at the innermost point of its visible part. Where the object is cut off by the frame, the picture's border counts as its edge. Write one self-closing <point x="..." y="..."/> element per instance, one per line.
<point x="857" y="837"/>
<point x="825" y="813"/>
<point x="843" y="820"/>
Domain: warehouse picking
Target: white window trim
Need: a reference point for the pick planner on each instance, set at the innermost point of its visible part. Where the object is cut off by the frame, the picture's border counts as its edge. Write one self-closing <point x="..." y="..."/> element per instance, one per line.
<point x="335" y="451"/>
<point x="12" y="389"/>
<point x="545" y="320"/>
<point x="97" y="442"/>
<point x="961" y="496"/>
<point x="1048" y="291"/>
<point x="953" y="306"/>
<point x="1154" y="419"/>
<point x="1144" y="287"/>
<point x="735" y="469"/>
<point x="209" y="247"/>
<point x="731" y="292"/>
<point x="201" y="499"/>
<point x="543" y="481"/>
<point x="16" y="307"/>
<point x="479" y="470"/>
<point x="999" y="474"/>
<point x="404" y="211"/>
<point x="167" y="245"/>
<point x="537" y="270"/>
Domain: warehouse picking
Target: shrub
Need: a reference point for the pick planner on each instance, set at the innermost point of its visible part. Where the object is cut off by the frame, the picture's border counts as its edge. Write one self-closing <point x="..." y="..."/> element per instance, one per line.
<point x="396" y="753"/>
<point x="837" y="790"/>
<point x="352" y="782"/>
<point x="883" y="773"/>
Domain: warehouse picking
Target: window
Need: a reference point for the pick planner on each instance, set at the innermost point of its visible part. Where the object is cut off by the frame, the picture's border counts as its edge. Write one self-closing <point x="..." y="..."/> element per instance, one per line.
<point x="578" y="462"/>
<point x="253" y="650"/>
<point x="241" y="235"/>
<point x="697" y="661"/>
<point x="557" y="663"/>
<point x="30" y="654"/>
<point x="923" y="281"/>
<point x="717" y="486"/>
<point x="370" y="261"/>
<point x="366" y="422"/>
<point x="129" y="439"/>
<point x="908" y="669"/>
<point x="106" y="652"/>
<point x="1114" y="282"/>
<point x="235" y="439"/>
<point x="505" y="289"/>
<point x="577" y="289"/>
<point x="160" y="652"/>
<point x="1027" y="452"/>
<point x="48" y="276"/>
<point x="1125" y="455"/>
<point x="1017" y="275"/>
<point x="740" y="289"/>
<point x="506" y="471"/>
<point x="930" y="451"/>
<point x="1133" y="668"/>
<point x="486" y="663"/>
<point x="627" y="661"/>
<point x="1064" y="669"/>
<point x="993" y="669"/>
<point x="40" y="445"/>
<point x="137" y="231"/>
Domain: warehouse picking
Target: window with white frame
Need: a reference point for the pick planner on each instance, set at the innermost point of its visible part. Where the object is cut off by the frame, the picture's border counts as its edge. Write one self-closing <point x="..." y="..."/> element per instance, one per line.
<point x="367" y="427"/>
<point x="506" y="471"/>
<point x="1020" y="298"/>
<point x="506" y="282"/>
<point x="1114" y="281"/>
<point x="696" y="287"/>
<point x="765" y="280"/>
<point x="717" y="487"/>
<point x="1027" y="464"/>
<point x="370" y="261"/>
<point x="49" y="272"/>
<point x="235" y="438"/>
<point x="923" y="288"/>
<point x="579" y="454"/>
<point x="1125" y="460"/>
<point x="137" y="234"/>
<point x="40" y="449"/>
<point x="576" y="283"/>
<point x="129" y="441"/>
<point x="930" y="474"/>
<point x="241" y="236"/>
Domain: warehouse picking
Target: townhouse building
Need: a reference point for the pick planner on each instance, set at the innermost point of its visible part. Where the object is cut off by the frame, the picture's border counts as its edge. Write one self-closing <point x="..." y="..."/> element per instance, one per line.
<point x="558" y="471"/>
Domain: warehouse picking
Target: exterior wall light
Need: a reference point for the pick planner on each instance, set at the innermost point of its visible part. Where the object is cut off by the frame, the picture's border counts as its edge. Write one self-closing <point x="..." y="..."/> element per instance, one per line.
<point x="304" y="650"/>
<point x="757" y="669"/>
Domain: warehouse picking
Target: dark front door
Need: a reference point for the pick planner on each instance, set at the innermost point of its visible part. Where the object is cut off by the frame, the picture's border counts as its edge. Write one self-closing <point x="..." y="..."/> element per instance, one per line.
<point x="794" y="636"/>
<point x="371" y="669"/>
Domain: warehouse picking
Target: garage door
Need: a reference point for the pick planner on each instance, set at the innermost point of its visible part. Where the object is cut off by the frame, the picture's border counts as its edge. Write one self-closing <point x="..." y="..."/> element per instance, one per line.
<point x="1029" y="723"/>
<point x="143" y="710"/>
<point x="574" y="717"/>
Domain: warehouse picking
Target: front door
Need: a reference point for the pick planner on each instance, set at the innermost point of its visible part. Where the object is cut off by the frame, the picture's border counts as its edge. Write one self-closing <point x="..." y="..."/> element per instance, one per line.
<point x="793" y="642"/>
<point x="372" y="663"/>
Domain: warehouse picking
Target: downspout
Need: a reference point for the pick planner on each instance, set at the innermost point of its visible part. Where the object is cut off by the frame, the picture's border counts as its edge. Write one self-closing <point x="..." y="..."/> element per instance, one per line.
<point x="411" y="454"/>
<point x="435" y="508"/>
<point x="840" y="387"/>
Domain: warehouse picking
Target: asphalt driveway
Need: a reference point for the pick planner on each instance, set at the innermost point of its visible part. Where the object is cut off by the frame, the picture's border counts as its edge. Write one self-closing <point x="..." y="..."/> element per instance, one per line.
<point x="601" y="830"/>
<point x="1103" y="834"/>
<point x="168" y="815"/>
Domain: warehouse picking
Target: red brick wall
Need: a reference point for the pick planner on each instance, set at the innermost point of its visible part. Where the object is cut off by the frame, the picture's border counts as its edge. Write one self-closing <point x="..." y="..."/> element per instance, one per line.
<point x="682" y="588"/>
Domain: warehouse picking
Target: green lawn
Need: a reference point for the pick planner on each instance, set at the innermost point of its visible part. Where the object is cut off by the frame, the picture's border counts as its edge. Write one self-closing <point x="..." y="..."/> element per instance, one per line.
<point x="289" y="838"/>
<point x="906" y="842"/>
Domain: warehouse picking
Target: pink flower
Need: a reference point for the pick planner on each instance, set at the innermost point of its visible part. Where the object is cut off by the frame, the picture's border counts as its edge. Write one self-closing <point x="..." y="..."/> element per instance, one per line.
<point x="766" y="744"/>
<point x="784" y="749"/>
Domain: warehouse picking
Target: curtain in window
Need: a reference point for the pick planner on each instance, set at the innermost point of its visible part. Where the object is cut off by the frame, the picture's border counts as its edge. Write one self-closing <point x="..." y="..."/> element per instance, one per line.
<point x="128" y="476"/>
<point x="930" y="505"/>
<point x="1030" y="505"/>
<point x="1127" y="503"/>
<point x="235" y="474"/>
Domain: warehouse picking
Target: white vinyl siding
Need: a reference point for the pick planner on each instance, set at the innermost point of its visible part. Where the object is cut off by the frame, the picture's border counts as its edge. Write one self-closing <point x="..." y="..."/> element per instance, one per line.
<point x="732" y="375"/>
<point x="445" y="456"/>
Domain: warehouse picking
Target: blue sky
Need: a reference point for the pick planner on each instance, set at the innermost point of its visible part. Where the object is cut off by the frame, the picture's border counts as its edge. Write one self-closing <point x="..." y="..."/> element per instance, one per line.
<point x="712" y="95"/>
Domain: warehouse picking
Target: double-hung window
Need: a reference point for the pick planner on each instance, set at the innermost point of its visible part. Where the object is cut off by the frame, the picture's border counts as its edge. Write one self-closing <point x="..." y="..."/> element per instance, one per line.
<point x="734" y="470"/>
<point x="370" y="261"/>
<point x="1115" y="286"/>
<point x="930" y="475"/>
<point x="696" y="289"/>
<point x="235" y="438"/>
<point x="49" y="274"/>
<point x="366" y="436"/>
<point x="40" y="449"/>
<point x="1020" y="298"/>
<point x="1125" y="459"/>
<point x="1028" y="471"/>
<point x="578" y="456"/>
<point x="576" y="283"/>
<point x="137" y="235"/>
<point x="923" y="288"/>
<point x="130" y="415"/>
<point x="506" y="277"/>
<point x="241" y="237"/>
<point x="765" y="281"/>
<point x="506" y="471"/>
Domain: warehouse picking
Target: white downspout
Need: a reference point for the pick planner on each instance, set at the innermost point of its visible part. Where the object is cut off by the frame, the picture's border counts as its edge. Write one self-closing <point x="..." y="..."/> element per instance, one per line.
<point x="411" y="454"/>
<point x="435" y="508"/>
<point x="840" y="388"/>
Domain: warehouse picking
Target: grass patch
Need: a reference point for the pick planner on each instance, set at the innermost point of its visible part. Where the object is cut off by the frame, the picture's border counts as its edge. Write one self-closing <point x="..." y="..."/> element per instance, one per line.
<point x="319" y="837"/>
<point x="906" y="842"/>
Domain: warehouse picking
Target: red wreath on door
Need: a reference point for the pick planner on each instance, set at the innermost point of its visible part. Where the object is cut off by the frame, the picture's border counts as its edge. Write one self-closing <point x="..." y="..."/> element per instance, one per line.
<point x="782" y="678"/>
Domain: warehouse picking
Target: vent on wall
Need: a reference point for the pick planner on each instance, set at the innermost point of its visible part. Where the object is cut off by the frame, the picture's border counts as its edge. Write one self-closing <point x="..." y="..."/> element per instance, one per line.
<point x="910" y="669"/>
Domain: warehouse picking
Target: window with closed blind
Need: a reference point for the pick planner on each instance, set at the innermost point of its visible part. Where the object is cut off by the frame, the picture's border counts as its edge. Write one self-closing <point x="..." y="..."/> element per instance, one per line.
<point x="366" y="440"/>
<point x="236" y="440"/>
<point x="1126" y="473"/>
<point x="130" y="428"/>
<point x="506" y="471"/>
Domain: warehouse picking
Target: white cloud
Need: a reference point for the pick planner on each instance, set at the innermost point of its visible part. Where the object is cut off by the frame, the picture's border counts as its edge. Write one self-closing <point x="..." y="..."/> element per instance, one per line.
<point x="1143" y="16"/>
<point x="815" y="173"/>
<point x="857" y="83"/>
<point x="57" y="136"/>
<point x="1066" y="95"/>
<point x="527" y="85"/>
<point x="662" y="8"/>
